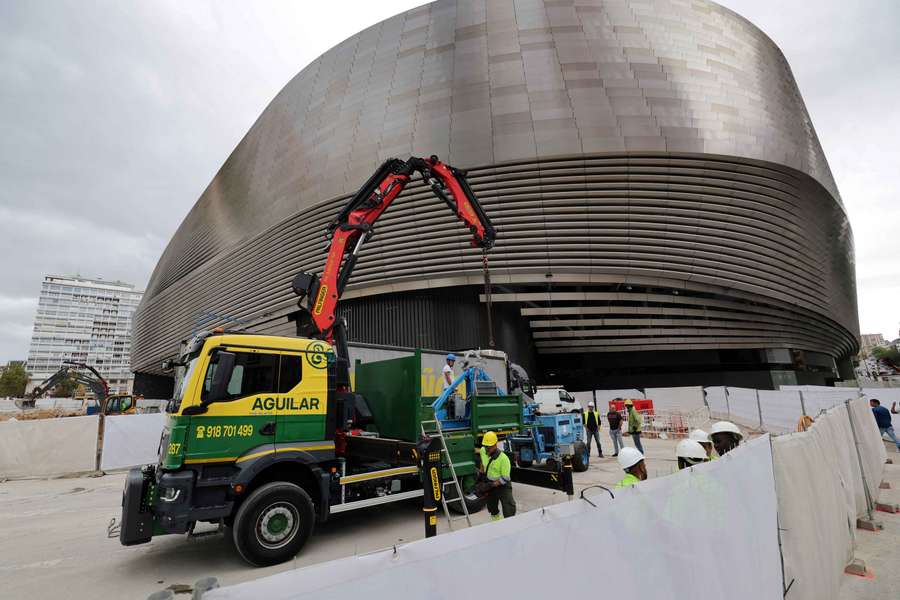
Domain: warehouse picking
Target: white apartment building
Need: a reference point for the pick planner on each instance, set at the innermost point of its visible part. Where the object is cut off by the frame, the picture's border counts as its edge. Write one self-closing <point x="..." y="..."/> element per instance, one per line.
<point x="87" y="320"/>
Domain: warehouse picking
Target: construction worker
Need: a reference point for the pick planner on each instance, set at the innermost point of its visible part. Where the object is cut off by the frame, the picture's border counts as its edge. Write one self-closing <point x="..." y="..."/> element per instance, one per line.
<point x="689" y="453"/>
<point x="700" y="436"/>
<point x="615" y="428"/>
<point x="495" y="472"/>
<point x="632" y="462"/>
<point x="447" y="372"/>
<point x="591" y="420"/>
<point x="725" y="436"/>
<point x="634" y="424"/>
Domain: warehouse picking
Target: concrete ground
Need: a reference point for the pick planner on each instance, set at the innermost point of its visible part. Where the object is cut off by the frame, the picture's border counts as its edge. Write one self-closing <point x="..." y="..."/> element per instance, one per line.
<point x="879" y="550"/>
<point x="54" y="536"/>
<point x="55" y="544"/>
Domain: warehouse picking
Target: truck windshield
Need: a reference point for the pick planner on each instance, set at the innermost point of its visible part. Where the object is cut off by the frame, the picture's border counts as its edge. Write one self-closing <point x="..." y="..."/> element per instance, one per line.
<point x="183" y="376"/>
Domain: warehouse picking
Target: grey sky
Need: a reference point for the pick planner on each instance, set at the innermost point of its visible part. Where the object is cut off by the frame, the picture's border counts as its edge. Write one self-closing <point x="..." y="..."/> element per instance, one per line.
<point x="114" y="116"/>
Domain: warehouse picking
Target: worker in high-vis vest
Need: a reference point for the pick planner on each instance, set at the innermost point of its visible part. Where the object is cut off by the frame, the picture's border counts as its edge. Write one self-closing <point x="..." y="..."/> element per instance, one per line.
<point x="701" y="437"/>
<point x="634" y="424"/>
<point x="632" y="461"/>
<point x="495" y="472"/>
<point x="591" y="420"/>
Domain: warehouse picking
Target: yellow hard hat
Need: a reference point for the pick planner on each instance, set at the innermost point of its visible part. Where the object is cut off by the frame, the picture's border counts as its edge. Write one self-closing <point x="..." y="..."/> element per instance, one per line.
<point x="629" y="402"/>
<point x="489" y="439"/>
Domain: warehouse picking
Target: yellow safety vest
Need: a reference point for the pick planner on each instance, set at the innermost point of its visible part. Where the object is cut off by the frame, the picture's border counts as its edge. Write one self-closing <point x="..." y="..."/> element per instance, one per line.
<point x="596" y="414"/>
<point x="629" y="479"/>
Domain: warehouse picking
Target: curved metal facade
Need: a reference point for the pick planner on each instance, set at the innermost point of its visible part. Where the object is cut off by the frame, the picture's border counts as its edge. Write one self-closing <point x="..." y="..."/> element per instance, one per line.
<point x="652" y="171"/>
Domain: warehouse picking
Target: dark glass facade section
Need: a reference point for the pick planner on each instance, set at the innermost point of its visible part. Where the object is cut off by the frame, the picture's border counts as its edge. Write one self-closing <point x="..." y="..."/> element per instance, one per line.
<point x="622" y="149"/>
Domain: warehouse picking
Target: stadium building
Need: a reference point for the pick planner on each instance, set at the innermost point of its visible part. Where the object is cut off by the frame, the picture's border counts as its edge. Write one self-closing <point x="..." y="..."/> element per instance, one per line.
<point x="665" y="213"/>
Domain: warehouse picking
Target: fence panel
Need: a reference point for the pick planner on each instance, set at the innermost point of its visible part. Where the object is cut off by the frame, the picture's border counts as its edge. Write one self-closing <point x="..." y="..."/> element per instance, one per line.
<point x="131" y="440"/>
<point x="682" y="399"/>
<point x="715" y="399"/>
<point x="780" y="410"/>
<point x="743" y="406"/>
<point x="663" y="529"/>
<point x="45" y="447"/>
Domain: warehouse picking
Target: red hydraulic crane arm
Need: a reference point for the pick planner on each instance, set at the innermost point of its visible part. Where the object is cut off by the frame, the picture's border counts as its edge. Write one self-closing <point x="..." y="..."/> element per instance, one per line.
<point x="353" y="227"/>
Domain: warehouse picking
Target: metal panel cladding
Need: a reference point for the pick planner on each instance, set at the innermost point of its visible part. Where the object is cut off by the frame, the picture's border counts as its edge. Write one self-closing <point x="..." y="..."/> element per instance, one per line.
<point x="661" y="144"/>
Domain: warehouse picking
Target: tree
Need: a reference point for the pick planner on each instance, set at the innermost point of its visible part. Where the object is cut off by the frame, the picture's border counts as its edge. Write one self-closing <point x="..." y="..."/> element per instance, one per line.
<point x="13" y="380"/>
<point x="888" y="354"/>
<point x="65" y="388"/>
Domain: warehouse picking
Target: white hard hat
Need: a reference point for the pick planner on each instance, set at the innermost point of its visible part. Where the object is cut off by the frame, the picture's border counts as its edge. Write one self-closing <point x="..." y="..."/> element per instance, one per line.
<point x="726" y="427"/>
<point x="590" y="403"/>
<point x="628" y="457"/>
<point x="698" y="435"/>
<point x="690" y="449"/>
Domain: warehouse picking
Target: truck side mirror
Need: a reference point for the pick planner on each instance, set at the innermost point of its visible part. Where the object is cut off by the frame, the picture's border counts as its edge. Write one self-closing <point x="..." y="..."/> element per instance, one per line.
<point x="218" y="389"/>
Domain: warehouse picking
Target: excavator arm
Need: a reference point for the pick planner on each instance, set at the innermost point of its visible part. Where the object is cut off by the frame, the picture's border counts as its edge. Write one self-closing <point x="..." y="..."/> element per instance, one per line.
<point x="353" y="226"/>
<point x="70" y="370"/>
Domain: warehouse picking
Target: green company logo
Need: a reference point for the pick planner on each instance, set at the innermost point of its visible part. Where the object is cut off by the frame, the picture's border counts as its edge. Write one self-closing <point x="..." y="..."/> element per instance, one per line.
<point x="317" y="356"/>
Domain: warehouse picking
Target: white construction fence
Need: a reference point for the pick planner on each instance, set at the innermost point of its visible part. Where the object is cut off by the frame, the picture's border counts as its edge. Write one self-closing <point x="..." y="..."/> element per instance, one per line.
<point x="62" y="446"/>
<point x="711" y="531"/>
<point x="719" y="519"/>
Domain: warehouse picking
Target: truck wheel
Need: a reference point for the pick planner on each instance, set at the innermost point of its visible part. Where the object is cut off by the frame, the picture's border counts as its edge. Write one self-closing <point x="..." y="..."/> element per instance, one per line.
<point x="580" y="459"/>
<point x="525" y="464"/>
<point x="273" y="524"/>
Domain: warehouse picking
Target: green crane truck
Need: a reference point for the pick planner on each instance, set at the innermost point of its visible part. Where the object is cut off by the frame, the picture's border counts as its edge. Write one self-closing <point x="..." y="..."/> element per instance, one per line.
<point x="264" y="435"/>
<point x="258" y="441"/>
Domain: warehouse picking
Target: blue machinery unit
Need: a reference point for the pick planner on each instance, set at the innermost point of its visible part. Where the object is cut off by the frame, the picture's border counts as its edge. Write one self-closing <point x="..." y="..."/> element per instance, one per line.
<point x="547" y="438"/>
<point x="543" y="439"/>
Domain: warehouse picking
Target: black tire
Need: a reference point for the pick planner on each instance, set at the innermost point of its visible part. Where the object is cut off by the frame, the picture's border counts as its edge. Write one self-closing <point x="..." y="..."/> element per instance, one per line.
<point x="472" y="505"/>
<point x="525" y="464"/>
<point x="275" y="504"/>
<point x="580" y="459"/>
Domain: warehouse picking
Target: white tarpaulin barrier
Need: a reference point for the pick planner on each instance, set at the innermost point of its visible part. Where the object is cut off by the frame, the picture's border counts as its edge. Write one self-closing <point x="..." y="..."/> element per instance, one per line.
<point x="131" y="440"/>
<point x="887" y="396"/>
<point x="715" y="399"/>
<point x="47" y="447"/>
<point x="820" y="495"/>
<point x="676" y="399"/>
<point x="780" y="410"/>
<point x="743" y="407"/>
<point x="709" y="532"/>
<point x="871" y="448"/>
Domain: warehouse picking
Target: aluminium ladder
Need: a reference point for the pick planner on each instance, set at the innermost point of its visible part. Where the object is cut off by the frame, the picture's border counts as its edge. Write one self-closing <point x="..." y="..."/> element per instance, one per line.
<point x="455" y="482"/>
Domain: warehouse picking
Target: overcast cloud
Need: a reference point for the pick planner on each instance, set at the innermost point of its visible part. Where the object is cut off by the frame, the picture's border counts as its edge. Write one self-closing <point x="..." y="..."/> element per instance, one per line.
<point x="114" y="116"/>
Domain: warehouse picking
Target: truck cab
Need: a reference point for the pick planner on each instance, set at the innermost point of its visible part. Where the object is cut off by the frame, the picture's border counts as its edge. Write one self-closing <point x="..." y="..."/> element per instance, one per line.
<point x="248" y="443"/>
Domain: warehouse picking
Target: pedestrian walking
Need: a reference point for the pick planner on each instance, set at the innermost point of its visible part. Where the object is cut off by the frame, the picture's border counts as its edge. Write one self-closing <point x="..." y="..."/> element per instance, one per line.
<point x="883" y="420"/>
<point x="614" y="418"/>
<point x="635" y="421"/>
<point x="591" y="420"/>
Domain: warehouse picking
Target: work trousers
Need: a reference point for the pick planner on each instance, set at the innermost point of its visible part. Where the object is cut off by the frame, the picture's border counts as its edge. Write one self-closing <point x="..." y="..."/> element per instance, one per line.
<point x="618" y="442"/>
<point x="891" y="434"/>
<point x="636" y="438"/>
<point x="501" y="496"/>
<point x="590" y="436"/>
